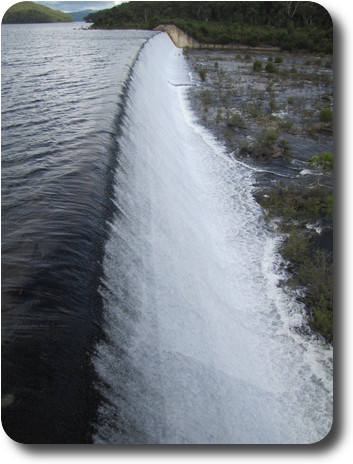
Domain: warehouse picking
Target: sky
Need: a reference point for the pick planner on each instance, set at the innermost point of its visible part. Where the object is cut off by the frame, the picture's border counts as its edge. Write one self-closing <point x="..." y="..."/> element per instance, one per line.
<point x="78" y="6"/>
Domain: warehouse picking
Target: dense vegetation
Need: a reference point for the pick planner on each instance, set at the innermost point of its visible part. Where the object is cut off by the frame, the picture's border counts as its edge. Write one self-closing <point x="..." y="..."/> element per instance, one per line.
<point x="311" y="261"/>
<point x="30" y="12"/>
<point x="289" y="25"/>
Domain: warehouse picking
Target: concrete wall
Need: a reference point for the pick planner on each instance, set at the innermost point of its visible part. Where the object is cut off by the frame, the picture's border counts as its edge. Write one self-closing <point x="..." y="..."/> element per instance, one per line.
<point x="179" y="37"/>
<point x="181" y="40"/>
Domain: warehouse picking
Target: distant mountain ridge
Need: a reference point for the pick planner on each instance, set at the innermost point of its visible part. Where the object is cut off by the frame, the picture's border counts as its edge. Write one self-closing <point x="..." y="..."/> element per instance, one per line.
<point x="79" y="15"/>
<point x="30" y="12"/>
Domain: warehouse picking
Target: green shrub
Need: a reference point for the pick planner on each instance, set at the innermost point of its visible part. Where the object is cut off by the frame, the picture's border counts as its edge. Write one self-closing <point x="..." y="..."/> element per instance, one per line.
<point x="257" y="66"/>
<point x="329" y="205"/>
<point x="271" y="68"/>
<point x="296" y="204"/>
<point x="295" y="248"/>
<point x="266" y="142"/>
<point x="235" y="120"/>
<point x="272" y="103"/>
<point x="317" y="275"/>
<point x="323" y="318"/>
<point x="326" y="115"/>
<point x="284" y="144"/>
<point x="323" y="160"/>
<point x="278" y="59"/>
<point x="286" y="124"/>
<point x="219" y="115"/>
<point x="206" y="97"/>
<point x="202" y="74"/>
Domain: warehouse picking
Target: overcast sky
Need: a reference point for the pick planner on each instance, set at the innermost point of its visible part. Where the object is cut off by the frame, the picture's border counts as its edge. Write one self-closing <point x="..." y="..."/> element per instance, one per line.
<point x="78" y="6"/>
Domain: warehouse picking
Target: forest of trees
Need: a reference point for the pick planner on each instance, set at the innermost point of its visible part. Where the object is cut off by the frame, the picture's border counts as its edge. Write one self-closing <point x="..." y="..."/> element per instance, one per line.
<point x="290" y="25"/>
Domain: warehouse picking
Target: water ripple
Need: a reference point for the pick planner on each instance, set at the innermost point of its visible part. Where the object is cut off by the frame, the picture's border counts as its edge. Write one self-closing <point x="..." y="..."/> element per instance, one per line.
<point x="60" y="92"/>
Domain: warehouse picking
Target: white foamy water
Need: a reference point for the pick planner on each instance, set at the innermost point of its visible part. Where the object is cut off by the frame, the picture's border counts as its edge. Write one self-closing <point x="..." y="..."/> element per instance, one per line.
<point x="200" y="343"/>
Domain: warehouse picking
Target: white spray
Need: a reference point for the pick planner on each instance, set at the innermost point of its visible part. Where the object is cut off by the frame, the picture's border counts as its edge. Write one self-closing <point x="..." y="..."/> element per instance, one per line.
<point x="200" y="343"/>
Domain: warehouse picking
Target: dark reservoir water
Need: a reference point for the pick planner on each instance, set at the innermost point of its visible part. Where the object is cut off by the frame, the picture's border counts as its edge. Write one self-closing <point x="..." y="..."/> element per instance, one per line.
<point x="140" y="290"/>
<point x="61" y="90"/>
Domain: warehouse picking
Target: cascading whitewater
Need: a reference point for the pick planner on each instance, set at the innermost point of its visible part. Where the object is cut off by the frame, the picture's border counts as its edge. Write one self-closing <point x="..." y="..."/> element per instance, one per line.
<point x="199" y="343"/>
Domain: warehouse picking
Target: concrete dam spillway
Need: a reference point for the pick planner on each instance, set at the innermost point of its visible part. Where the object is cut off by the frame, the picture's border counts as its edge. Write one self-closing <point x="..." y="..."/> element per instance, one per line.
<point x="198" y="345"/>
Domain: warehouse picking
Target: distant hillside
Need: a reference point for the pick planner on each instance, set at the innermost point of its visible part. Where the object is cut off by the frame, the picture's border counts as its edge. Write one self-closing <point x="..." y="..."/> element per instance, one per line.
<point x="80" y="15"/>
<point x="30" y="12"/>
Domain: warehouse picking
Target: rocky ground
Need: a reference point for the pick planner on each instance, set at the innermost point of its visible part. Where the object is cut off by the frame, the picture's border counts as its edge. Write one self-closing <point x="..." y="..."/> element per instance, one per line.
<point x="275" y="111"/>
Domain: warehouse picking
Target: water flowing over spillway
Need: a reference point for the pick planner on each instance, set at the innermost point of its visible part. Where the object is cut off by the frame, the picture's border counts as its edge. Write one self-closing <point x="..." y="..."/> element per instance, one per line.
<point x="199" y="341"/>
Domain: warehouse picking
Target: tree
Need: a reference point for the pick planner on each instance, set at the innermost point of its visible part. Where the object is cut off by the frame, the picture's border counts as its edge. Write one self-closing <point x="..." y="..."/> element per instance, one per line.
<point x="292" y="8"/>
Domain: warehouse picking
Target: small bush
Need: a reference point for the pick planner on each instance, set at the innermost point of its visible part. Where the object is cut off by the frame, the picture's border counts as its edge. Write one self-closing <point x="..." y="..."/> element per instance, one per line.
<point x="323" y="160"/>
<point x="266" y="142"/>
<point x="329" y="205"/>
<point x="206" y="97"/>
<point x="286" y="124"/>
<point x="186" y="52"/>
<point x="272" y="103"/>
<point x="271" y="68"/>
<point x="290" y="100"/>
<point x="257" y="66"/>
<point x="284" y="144"/>
<point x="295" y="248"/>
<point x="235" y="120"/>
<point x="278" y="59"/>
<point x="317" y="274"/>
<point x="202" y="74"/>
<point x="326" y="115"/>
<point x="219" y="115"/>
